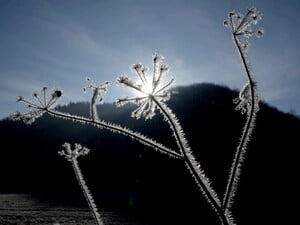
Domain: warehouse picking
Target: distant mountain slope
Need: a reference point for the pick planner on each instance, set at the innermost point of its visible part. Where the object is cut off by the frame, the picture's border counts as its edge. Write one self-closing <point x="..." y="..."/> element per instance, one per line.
<point x="123" y="173"/>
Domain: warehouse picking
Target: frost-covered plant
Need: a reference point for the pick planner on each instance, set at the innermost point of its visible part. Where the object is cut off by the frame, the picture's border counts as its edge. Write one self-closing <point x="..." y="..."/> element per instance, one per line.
<point x="71" y="155"/>
<point x="240" y="27"/>
<point x="38" y="108"/>
<point x="152" y="93"/>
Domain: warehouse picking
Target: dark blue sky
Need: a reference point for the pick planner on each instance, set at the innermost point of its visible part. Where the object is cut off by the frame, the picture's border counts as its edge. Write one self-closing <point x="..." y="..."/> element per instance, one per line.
<point x="59" y="43"/>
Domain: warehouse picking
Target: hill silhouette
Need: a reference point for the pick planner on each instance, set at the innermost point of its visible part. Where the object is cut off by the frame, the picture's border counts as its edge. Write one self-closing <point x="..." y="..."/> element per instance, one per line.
<point x="123" y="174"/>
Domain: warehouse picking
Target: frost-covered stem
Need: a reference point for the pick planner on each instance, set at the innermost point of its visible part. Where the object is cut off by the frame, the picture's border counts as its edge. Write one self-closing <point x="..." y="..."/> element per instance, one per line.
<point x="175" y="126"/>
<point x="247" y="130"/>
<point x="86" y="192"/>
<point x="191" y="163"/>
<point x="93" y="105"/>
<point x="118" y="129"/>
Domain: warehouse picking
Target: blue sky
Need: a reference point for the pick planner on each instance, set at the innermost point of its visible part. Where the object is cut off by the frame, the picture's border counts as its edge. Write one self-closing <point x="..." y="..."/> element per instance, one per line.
<point x="59" y="43"/>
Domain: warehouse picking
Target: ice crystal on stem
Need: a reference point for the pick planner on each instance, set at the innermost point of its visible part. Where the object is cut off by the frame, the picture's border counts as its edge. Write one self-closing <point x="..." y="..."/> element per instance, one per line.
<point x="147" y="88"/>
<point x="38" y="106"/>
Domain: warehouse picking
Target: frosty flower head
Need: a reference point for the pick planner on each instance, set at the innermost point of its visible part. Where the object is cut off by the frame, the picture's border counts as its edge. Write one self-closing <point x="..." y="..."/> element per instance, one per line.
<point x="70" y="154"/>
<point x="98" y="90"/>
<point x="241" y="26"/>
<point x="38" y="106"/>
<point x="149" y="88"/>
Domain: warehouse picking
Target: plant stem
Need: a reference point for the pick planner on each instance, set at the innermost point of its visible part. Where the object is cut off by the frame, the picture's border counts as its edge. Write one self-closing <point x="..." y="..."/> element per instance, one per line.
<point x="93" y="105"/>
<point x="117" y="128"/>
<point x="191" y="163"/>
<point x="86" y="192"/>
<point x="247" y="130"/>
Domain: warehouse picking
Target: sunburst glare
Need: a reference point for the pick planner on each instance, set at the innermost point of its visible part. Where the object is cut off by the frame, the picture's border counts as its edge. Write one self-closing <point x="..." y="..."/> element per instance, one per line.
<point x="148" y="89"/>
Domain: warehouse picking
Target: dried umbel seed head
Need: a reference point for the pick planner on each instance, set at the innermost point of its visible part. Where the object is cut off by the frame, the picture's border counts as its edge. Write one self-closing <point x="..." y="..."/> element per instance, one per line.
<point x="147" y="88"/>
<point x="38" y="106"/>
<point x="72" y="154"/>
<point x="241" y="26"/>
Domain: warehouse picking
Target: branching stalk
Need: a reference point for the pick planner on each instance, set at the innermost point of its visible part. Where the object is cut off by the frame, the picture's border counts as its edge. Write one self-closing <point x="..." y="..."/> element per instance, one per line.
<point x="118" y="129"/>
<point x="247" y="131"/>
<point x="191" y="163"/>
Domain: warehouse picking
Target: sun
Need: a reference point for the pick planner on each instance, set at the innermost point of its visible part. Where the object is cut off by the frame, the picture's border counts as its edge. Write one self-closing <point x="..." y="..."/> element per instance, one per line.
<point x="147" y="88"/>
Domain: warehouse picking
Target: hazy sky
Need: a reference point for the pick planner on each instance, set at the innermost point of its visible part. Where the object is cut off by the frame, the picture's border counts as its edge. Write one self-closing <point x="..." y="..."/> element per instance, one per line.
<point x="59" y="43"/>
